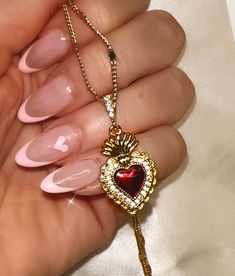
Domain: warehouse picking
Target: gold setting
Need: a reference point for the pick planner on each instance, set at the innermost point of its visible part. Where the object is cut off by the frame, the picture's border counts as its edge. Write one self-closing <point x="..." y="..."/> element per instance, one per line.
<point x="132" y="205"/>
<point x="121" y="147"/>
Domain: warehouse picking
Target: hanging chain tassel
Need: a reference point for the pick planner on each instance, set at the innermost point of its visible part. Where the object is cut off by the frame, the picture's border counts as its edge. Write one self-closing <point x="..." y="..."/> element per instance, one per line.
<point x="141" y="246"/>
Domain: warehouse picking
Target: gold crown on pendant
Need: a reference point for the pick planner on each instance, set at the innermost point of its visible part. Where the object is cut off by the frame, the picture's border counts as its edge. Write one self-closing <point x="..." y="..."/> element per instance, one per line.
<point x="120" y="145"/>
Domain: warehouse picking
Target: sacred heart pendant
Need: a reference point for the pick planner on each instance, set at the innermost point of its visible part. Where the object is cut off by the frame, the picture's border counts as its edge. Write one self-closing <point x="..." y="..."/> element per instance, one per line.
<point x="130" y="180"/>
<point x="128" y="177"/>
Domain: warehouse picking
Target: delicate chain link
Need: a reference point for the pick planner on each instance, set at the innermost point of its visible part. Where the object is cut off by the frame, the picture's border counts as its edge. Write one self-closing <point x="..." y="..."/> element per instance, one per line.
<point x="111" y="53"/>
<point x="141" y="246"/>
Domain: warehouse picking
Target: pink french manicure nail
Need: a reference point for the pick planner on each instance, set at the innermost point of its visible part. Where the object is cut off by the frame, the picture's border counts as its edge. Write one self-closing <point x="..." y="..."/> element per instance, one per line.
<point x="47" y="101"/>
<point x="44" y="52"/>
<point x="49" y="147"/>
<point x="73" y="177"/>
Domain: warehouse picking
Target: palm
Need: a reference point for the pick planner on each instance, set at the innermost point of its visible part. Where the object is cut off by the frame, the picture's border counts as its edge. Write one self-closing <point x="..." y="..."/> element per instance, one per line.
<point x="42" y="227"/>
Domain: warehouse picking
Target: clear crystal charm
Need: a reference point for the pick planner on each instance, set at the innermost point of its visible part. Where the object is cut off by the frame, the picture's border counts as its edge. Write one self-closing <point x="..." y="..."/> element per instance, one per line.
<point x="110" y="105"/>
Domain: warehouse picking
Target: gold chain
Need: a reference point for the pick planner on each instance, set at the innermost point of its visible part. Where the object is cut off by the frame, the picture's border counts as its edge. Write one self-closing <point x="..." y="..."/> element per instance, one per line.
<point x="141" y="246"/>
<point x="114" y="95"/>
<point x="74" y="41"/>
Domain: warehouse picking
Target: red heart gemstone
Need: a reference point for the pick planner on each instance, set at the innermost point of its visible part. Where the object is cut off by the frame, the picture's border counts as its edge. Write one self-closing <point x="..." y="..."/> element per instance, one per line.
<point x="131" y="180"/>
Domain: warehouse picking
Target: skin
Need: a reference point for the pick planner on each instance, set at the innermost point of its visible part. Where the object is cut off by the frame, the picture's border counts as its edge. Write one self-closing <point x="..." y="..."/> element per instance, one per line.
<point x="44" y="234"/>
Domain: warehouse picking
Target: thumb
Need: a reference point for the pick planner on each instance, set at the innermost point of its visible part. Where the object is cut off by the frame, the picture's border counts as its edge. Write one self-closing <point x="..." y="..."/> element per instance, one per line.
<point x="20" y="22"/>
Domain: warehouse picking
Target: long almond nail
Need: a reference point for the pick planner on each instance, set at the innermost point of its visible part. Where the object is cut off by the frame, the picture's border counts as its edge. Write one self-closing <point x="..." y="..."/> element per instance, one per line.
<point x="49" y="147"/>
<point x="44" y="52"/>
<point x="73" y="177"/>
<point x="47" y="101"/>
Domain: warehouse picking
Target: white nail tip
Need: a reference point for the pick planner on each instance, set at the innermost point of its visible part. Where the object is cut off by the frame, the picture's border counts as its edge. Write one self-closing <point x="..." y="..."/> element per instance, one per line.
<point x="25" y="118"/>
<point x="23" y="67"/>
<point x="49" y="186"/>
<point x="22" y="159"/>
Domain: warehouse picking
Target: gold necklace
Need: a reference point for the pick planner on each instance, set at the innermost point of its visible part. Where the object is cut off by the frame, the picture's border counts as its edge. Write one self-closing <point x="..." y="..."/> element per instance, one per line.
<point x="128" y="177"/>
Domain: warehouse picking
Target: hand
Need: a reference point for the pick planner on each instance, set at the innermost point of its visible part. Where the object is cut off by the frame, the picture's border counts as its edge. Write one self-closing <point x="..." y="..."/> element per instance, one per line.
<point x="45" y="234"/>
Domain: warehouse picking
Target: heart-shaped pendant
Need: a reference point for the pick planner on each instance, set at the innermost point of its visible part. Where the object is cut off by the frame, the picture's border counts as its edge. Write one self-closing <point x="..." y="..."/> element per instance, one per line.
<point x="128" y="177"/>
<point x="131" y="180"/>
<point x="129" y="186"/>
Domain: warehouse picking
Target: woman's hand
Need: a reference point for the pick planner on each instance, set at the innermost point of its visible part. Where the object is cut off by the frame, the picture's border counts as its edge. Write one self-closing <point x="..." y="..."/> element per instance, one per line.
<point x="45" y="234"/>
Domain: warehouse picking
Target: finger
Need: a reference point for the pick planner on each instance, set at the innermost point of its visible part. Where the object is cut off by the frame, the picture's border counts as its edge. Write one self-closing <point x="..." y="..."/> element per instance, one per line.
<point x="27" y="23"/>
<point x="164" y="145"/>
<point x="53" y="43"/>
<point x="20" y="22"/>
<point x="145" y="104"/>
<point x="105" y="15"/>
<point x="145" y="45"/>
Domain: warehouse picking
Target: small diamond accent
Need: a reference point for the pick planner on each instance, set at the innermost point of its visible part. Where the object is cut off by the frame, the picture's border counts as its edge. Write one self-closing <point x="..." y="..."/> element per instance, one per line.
<point x="132" y="205"/>
<point x="143" y="193"/>
<point x="112" y="188"/>
<point x="110" y="105"/>
<point x="137" y="201"/>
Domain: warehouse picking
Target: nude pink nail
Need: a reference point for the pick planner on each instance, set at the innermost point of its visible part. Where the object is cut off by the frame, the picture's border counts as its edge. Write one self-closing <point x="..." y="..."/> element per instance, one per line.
<point x="50" y="99"/>
<point x="73" y="177"/>
<point x="49" y="147"/>
<point x="44" y="52"/>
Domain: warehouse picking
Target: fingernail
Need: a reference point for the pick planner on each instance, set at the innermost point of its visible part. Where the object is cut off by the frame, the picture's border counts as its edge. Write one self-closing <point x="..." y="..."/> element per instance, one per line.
<point x="49" y="147"/>
<point x="47" y="101"/>
<point x="44" y="52"/>
<point x="76" y="176"/>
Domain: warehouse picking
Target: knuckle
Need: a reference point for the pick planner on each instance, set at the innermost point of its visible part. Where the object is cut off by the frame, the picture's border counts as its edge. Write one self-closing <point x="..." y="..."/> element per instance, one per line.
<point x="178" y="144"/>
<point x="175" y="27"/>
<point x="169" y="25"/>
<point x="145" y="4"/>
<point x="138" y="5"/>
<point x="182" y="84"/>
